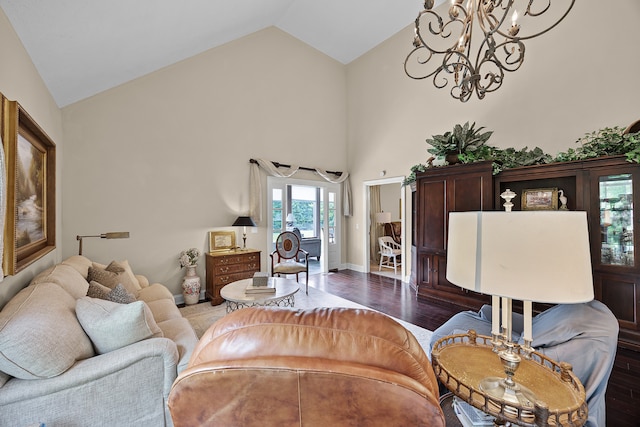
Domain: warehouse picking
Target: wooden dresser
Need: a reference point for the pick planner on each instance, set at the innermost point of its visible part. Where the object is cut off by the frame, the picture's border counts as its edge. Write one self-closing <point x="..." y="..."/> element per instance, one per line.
<point x="226" y="267"/>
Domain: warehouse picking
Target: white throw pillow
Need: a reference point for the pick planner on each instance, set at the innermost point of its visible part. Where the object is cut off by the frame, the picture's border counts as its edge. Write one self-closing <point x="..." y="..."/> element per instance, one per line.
<point x="112" y="326"/>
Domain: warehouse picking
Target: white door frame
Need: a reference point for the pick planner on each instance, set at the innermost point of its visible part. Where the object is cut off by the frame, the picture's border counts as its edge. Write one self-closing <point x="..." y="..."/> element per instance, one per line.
<point x="367" y="211"/>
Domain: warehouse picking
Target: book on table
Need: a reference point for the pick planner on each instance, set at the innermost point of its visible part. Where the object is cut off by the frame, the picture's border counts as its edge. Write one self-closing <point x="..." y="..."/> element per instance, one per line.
<point x="269" y="288"/>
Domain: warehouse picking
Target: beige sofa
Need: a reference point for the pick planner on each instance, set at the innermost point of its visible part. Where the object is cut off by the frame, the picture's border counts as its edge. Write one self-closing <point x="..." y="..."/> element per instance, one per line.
<point x="67" y="359"/>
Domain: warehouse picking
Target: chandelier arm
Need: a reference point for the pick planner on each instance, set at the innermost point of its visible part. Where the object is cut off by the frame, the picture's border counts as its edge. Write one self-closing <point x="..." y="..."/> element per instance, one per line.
<point x="441" y="29"/>
<point x="415" y="53"/>
<point x="527" y="12"/>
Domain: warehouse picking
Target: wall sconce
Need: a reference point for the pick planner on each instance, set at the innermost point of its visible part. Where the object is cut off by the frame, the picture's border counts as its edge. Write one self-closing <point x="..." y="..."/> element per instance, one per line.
<point x="112" y="235"/>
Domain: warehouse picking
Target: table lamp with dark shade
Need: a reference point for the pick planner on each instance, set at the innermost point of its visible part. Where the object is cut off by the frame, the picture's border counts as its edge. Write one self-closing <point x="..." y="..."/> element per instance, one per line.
<point x="244" y="222"/>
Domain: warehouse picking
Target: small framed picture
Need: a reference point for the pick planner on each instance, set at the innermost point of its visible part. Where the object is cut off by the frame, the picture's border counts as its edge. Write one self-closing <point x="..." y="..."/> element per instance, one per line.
<point x="540" y="199"/>
<point x="222" y="241"/>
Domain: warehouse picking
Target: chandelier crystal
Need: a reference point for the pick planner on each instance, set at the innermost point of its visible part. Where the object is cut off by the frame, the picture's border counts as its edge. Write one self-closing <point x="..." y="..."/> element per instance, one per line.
<point x="443" y="44"/>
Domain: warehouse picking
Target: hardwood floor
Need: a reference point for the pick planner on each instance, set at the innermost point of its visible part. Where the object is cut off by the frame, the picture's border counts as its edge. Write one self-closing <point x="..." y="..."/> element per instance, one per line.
<point x="396" y="298"/>
<point x="384" y="294"/>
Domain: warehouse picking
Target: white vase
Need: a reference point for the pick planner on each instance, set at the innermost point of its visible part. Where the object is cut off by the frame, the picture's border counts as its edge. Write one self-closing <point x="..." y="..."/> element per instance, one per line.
<point x="191" y="286"/>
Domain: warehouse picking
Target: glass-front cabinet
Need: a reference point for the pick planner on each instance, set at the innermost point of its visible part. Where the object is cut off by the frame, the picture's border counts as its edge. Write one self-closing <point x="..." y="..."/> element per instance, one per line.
<point x="614" y="234"/>
<point x="615" y="197"/>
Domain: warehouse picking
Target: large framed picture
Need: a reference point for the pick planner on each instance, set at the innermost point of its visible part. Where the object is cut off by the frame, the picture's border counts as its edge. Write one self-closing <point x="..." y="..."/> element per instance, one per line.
<point x="222" y="241"/>
<point x="540" y="199"/>
<point x="30" y="223"/>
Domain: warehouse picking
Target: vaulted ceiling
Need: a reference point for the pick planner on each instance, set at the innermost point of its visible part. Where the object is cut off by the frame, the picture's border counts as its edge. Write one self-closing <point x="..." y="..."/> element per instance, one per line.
<point x="83" y="47"/>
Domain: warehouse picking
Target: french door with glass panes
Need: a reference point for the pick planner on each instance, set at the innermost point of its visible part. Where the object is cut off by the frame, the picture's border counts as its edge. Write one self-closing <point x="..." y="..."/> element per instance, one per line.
<point x="313" y="207"/>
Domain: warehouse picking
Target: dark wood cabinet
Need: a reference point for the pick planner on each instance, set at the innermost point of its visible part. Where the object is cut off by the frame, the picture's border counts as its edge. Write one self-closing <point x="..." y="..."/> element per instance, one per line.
<point x="223" y="268"/>
<point x="440" y="191"/>
<point x="607" y="188"/>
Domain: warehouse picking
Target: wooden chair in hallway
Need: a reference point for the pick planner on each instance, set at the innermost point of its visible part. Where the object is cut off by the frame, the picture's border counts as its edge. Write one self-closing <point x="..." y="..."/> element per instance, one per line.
<point x="390" y="253"/>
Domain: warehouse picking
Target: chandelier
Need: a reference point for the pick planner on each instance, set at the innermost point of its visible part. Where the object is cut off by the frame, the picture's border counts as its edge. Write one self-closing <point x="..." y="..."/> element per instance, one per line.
<point x="444" y="51"/>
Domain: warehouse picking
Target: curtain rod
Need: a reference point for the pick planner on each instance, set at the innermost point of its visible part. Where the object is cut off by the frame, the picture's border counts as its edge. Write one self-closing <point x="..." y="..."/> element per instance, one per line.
<point x="282" y="165"/>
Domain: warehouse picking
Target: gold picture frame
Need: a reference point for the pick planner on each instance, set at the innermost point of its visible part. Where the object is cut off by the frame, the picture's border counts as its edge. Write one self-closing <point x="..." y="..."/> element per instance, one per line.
<point x="30" y="157"/>
<point x="222" y="241"/>
<point x="545" y="199"/>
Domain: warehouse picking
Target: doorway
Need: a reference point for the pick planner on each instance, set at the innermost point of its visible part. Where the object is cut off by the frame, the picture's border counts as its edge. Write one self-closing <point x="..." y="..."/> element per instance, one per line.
<point x="313" y="208"/>
<point x="392" y="200"/>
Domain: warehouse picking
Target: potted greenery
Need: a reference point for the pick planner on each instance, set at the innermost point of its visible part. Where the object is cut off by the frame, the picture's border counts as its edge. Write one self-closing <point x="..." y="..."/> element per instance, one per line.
<point x="470" y="146"/>
<point x="464" y="138"/>
<point x="605" y="142"/>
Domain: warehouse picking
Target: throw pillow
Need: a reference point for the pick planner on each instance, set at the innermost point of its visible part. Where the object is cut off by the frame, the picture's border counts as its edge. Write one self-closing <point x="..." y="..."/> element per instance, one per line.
<point x="120" y="295"/>
<point x="112" y="326"/>
<point x="96" y="290"/>
<point x="114" y="274"/>
<point x="40" y="336"/>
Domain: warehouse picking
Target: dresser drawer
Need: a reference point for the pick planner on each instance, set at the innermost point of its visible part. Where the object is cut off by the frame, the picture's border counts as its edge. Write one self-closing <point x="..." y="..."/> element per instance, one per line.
<point x="235" y="259"/>
<point x="223" y="279"/>
<point x="234" y="268"/>
<point x="224" y="268"/>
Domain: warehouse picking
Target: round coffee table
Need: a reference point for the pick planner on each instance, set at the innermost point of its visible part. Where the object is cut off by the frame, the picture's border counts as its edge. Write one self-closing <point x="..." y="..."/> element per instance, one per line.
<point x="284" y="296"/>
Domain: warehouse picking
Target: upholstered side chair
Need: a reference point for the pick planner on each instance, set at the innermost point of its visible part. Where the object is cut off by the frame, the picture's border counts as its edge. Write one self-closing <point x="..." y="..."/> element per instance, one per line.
<point x="289" y="258"/>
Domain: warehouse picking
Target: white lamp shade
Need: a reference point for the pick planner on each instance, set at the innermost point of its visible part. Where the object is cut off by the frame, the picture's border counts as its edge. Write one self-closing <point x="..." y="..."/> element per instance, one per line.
<point x="383" y="217"/>
<point x="540" y="256"/>
<point x="290" y="217"/>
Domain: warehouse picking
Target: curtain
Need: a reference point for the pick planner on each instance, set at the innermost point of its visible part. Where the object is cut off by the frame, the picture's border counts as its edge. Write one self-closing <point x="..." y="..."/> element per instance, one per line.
<point x="255" y="191"/>
<point x="375" y="229"/>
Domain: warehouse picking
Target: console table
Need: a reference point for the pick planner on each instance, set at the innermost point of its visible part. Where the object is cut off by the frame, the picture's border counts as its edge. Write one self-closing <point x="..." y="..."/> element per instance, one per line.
<point x="225" y="267"/>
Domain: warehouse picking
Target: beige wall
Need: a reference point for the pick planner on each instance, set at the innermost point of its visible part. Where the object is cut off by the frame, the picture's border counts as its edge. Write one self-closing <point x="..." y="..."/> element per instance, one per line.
<point x="578" y="78"/>
<point x="19" y="80"/>
<point x="166" y="156"/>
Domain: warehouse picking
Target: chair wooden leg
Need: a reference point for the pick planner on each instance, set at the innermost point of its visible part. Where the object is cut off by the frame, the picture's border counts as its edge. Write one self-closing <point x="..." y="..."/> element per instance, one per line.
<point x="380" y="266"/>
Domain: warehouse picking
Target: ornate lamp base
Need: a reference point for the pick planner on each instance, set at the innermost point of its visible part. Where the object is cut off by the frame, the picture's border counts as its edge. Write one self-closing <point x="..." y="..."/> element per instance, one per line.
<point x="506" y="389"/>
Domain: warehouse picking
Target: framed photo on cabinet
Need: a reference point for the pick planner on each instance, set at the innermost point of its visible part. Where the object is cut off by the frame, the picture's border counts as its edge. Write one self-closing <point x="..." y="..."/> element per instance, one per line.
<point x="540" y="199"/>
<point x="222" y="241"/>
<point x="30" y="158"/>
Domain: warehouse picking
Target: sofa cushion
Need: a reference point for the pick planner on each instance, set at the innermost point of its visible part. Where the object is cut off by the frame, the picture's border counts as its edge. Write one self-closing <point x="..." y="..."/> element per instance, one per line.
<point x="40" y="336"/>
<point x="79" y="263"/>
<point x="65" y="276"/>
<point x="180" y="331"/>
<point x="155" y="292"/>
<point x="164" y="309"/>
<point x="112" y="326"/>
<point x="113" y="274"/>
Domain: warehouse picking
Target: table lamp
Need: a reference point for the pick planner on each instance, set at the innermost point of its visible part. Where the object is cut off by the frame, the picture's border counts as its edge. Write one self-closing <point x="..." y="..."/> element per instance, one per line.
<point x="244" y="222"/>
<point x="111" y="235"/>
<point x="533" y="256"/>
<point x="383" y="217"/>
